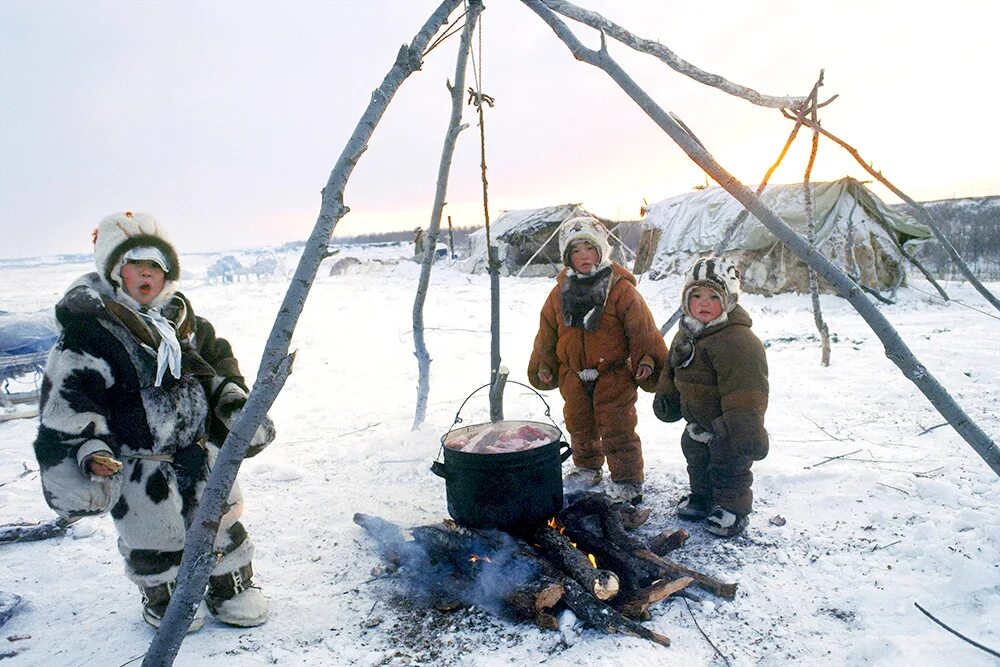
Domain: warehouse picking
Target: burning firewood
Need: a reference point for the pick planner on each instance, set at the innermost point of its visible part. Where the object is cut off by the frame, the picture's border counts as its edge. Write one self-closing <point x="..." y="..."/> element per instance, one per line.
<point x="581" y="561"/>
<point x="557" y="548"/>
<point x="709" y="583"/>
<point x="473" y="562"/>
<point x="532" y="602"/>
<point x="592" y="520"/>
<point x="637" y="605"/>
<point x="663" y="543"/>
<point x="600" y="616"/>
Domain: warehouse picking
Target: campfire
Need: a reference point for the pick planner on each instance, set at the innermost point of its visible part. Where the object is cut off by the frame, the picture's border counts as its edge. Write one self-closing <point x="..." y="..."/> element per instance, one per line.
<point x="587" y="559"/>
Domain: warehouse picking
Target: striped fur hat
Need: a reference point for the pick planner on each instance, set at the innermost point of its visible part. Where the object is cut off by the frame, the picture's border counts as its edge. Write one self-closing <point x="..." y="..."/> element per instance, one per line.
<point x="717" y="274"/>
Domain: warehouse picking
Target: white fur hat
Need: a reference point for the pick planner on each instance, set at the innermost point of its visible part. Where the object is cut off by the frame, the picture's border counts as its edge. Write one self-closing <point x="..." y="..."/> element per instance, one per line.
<point x="119" y="233"/>
<point x="717" y="274"/>
<point x="584" y="229"/>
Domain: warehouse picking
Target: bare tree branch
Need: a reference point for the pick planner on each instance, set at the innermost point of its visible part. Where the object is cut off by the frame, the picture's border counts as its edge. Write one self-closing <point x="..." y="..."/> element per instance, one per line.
<point x="276" y="363"/>
<point x="824" y="331"/>
<point x="921" y="213"/>
<point x="598" y="22"/>
<point x="895" y="348"/>
<point x="430" y="250"/>
<point x="730" y="232"/>
<point x="957" y="633"/>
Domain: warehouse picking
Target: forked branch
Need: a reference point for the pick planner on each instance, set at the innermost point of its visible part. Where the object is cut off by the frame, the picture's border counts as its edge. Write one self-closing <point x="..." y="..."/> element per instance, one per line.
<point x="895" y="348"/>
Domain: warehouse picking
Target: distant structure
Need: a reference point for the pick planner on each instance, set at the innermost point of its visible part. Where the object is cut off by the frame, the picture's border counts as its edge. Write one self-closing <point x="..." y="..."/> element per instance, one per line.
<point x="854" y="229"/>
<point x="527" y="241"/>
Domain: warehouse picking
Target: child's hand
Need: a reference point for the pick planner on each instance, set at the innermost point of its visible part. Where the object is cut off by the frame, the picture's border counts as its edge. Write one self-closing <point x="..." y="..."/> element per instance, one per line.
<point x="102" y="464"/>
<point x="545" y="375"/>
<point x="643" y="372"/>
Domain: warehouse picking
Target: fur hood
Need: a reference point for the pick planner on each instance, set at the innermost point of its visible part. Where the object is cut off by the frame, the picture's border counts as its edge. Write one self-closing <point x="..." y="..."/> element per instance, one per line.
<point x="120" y="232"/>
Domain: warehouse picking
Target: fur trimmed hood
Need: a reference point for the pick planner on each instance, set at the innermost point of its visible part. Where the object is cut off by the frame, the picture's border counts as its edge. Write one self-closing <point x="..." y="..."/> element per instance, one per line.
<point x="120" y="232"/>
<point x="589" y="230"/>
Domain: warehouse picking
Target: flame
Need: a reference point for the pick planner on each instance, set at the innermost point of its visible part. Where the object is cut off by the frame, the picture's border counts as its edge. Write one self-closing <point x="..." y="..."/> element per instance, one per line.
<point x="476" y="558"/>
<point x="562" y="531"/>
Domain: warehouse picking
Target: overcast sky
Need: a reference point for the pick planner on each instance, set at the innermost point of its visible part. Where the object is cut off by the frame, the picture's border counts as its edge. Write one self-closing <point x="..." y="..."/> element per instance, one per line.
<point x="224" y="118"/>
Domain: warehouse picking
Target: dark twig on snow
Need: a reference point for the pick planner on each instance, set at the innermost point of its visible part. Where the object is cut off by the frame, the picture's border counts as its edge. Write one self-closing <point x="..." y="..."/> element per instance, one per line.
<point x="931" y="428"/>
<point x="890" y="486"/>
<point x="832" y="458"/>
<point x="27" y="471"/>
<point x="885" y="546"/>
<point x="710" y="642"/>
<point x="957" y="633"/>
<point x="817" y="425"/>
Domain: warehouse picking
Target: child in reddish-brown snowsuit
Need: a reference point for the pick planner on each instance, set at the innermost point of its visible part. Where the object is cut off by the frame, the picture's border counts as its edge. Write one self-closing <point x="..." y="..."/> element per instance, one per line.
<point x="596" y="342"/>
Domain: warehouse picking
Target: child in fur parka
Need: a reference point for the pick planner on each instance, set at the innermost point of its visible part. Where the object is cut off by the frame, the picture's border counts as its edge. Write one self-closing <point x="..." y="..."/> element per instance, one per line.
<point x="138" y="396"/>
<point x="716" y="379"/>
<point x="596" y="342"/>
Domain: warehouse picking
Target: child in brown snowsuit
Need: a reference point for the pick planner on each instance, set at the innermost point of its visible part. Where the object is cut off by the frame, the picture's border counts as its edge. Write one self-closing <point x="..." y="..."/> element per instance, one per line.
<point x="716" y="379"/>
<point x="596" y="342"/>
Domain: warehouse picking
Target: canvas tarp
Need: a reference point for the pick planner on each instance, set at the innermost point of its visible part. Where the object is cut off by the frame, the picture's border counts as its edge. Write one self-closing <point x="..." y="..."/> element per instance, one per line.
<point x="854" y="229"/>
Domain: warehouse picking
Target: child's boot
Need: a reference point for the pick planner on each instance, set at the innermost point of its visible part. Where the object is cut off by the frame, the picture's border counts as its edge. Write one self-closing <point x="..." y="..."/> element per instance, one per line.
<point x="694" y="507"/>
<point x="626" y="492"/>
<point x="234" y="600"/>
<point x="154" y="605"/>
<point x="581" y="479"/>
<point x="724" y="523"/>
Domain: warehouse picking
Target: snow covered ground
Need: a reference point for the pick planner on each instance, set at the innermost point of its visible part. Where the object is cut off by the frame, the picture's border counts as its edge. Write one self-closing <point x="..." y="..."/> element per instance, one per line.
<point x="903" y="516"/>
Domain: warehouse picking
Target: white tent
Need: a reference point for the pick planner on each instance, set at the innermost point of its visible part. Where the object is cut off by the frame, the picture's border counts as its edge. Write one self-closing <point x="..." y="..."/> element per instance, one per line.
<point x="854" y="229"/>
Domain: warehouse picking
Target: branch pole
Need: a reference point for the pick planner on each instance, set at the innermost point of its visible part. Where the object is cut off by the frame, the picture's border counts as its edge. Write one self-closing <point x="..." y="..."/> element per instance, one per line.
<point x="807" y="195"/>
<point x="455" y="127"/>
<point x="895" y="348"/>
<point x="919" y="212"/>
<point x="730" y="232"/>
<point x="615" y="31"/>
<point x="480" y="99"/>
<point x="276" y="362"/>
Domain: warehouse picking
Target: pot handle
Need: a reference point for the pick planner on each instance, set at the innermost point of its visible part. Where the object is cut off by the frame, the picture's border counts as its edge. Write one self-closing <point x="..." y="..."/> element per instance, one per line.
<point x="439" y="469"/>
<point x="458" y="415"/>
<point x="565" y="455"/>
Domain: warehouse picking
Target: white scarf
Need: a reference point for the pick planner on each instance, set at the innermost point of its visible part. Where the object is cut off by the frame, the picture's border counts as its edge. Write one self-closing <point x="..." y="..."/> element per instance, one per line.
<point x="169" y="353"/>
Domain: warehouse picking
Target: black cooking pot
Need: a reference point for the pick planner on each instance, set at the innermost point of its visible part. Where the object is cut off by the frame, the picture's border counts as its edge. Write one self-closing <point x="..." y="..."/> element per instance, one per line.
<point x="513" y="491"/>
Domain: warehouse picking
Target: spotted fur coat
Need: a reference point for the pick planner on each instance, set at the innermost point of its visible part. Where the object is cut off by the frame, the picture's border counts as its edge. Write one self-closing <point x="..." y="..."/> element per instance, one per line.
<point x="98" y="394"/>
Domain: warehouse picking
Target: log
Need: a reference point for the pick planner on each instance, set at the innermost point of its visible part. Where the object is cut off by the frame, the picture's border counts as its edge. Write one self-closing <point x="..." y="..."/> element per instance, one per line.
<point x="633" y="517"/>
<point x="709" y="583"/>
<point x="9" y="602"/>
<point x="663" y="543"/>
<point x="33" y="532"/>
<point x="637" y="606"/>
<point x="557" y="548"/>
<point x="610" y="514"/>
<point x="600" y="616"/>
<point x="635" y="573"/>
<point x="532" y="602"/>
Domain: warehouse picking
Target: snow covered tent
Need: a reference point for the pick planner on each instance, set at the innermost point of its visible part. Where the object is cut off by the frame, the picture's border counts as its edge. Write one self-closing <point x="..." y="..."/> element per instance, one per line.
<point x="854" y="230"/>
<point x="527" y="241"/>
